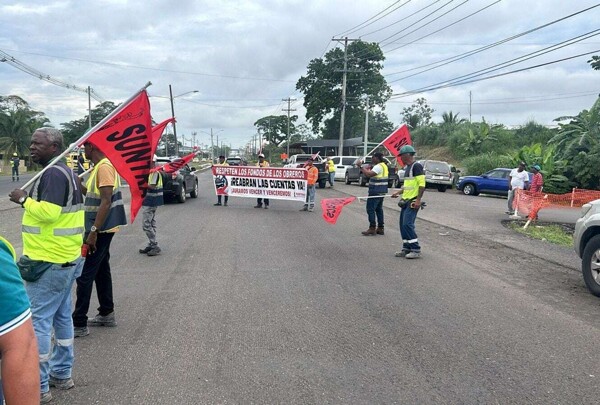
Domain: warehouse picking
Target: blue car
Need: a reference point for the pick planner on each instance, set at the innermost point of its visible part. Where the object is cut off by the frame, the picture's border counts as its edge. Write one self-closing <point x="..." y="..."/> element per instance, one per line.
<point x="493" y="182"/>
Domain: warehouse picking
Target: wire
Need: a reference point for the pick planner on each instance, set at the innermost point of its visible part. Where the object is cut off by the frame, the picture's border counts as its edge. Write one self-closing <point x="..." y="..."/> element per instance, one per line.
<point x="356" y="27"/>
<point x="403" y="19"/>
<point x="533" y="99"/>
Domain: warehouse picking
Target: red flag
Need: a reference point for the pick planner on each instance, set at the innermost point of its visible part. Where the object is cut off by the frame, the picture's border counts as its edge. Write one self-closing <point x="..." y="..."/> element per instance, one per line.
<point x="332" y="208"/>
<point x="397" y="140"/>
<point x="126" y="140"/>
<point x="176" y="164"/>
<point x="157" y="131"/>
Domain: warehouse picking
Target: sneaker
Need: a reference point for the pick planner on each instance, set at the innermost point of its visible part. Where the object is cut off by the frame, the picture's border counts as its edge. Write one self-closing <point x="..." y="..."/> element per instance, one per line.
<point x="80" y="331"/>
<point x="99" y="320"/>
<point x="305" y="208"/>
<point x="266" y="207"/>
<point x="61" y="383"/>
<point x="413" y="255"/>
<point x="311" y="209"/>
<point x="154" y="251"/>
<point x="258" y="206"/>
<point x="402" y="253"/>
<point x="45" y="397"/>
<point x="216" y="204"/>
<point x="145" y="250"/>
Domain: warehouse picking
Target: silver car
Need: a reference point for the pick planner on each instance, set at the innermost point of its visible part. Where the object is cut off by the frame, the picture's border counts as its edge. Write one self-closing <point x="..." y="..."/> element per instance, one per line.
<point x="586" y="241"/>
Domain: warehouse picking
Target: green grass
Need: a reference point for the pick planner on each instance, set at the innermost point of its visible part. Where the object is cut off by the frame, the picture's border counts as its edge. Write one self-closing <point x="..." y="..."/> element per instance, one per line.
<point x="551" y="233"/>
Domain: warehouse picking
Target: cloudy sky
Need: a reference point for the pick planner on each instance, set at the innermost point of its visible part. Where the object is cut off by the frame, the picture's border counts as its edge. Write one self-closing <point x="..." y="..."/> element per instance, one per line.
<point x="244" y="57"/>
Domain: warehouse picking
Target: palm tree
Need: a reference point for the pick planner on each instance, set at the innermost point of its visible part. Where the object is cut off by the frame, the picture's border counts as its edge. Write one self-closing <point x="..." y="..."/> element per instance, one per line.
<point x="449" y="118"/>
<point x="16" y="127"/>
<point x="581" y="133"/>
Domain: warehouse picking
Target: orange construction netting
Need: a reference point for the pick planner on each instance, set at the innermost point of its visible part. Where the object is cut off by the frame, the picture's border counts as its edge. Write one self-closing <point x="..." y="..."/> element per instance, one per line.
<point x="530" y="203"/>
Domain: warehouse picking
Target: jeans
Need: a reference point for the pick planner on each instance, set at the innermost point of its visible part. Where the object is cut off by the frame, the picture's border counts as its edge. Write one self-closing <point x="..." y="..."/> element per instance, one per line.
<point x="375" y="209"/>
<point x="410" y="242"/>
<point x="96" y="268"/>
<point x="259" y="201"/>
<point x="310" y="196"/>
<point x="15" y="173"/>
<point x="226" y="199"/>
<point x="331" y="178"/>
<point x="51" y="305"/>
<point x="149" y="224"/>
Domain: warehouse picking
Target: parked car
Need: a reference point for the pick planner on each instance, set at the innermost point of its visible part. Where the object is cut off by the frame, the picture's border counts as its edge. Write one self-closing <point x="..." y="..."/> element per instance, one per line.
<point x="236" y="161"/>
<point x="438" y="174"/>
<point x="586" y="241"/>
<point x="353" y="173"/>
<point x="179" y="183"/>
<point x="341" y="164"/>
<point x="493" y="182"/>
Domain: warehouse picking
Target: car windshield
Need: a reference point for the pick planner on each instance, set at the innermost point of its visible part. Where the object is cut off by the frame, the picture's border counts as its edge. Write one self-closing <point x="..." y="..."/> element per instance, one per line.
<point x="348" y="161"/>
<point x="439" y="167"/>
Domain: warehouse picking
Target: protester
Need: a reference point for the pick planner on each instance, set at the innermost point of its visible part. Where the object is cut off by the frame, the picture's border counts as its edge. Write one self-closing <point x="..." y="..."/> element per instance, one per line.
<point x="152" y="200"/>
<point x="331" y="171"/>
<point x="15" y="166"/>
<point x="18" y="347"/>
<point x="52" y="238"/>
<point x="410" y="203"/>
<point x="518" y="179"/>
<point x="222" y="162"/>
<point x="537" y="183"/>
<point x="80" y="163"/>
<point x="262" y="163"/>
<point x="378" y="185"/>
<point x="104" y="215"/>
<point x="313" y="176"/>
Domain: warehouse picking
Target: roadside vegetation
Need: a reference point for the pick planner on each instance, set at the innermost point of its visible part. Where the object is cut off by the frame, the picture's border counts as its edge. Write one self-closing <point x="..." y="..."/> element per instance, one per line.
<point x="553" y="233"/>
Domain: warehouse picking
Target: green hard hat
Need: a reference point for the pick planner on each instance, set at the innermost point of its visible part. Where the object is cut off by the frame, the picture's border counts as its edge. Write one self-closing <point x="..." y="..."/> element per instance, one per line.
<point x="407" y="149"/>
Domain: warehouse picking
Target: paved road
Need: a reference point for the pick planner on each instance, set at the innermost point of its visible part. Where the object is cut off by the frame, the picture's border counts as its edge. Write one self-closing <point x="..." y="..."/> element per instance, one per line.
<point x="276" y="306"/>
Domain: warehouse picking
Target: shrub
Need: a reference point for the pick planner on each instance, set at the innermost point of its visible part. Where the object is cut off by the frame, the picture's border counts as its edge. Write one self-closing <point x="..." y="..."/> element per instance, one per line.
<point x="476" y="165"/>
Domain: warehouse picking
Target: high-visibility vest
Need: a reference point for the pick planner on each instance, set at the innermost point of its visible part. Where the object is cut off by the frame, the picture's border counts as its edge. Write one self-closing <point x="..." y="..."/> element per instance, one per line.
<point x="116" y="214"/>
<point x="379" y="184"/>
<point x="58" y="241"/>
<point x="263" y="164"/>
<point x="330" y="166"/>
<point x="154" y="196"/>
<point x="412" y="184"/>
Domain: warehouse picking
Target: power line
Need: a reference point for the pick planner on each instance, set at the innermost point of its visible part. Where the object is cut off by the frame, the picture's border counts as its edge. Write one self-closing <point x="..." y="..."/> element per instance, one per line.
<point x="403" y="19"/>
<point x="356" y="27"/>
<point x="533" y="99"/>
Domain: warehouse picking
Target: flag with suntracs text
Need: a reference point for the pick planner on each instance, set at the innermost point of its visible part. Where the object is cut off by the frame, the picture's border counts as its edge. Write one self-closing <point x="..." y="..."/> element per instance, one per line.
<point x="397" y="140"/>
<point x="126" y="140"/>
<point x="332" y="208"/>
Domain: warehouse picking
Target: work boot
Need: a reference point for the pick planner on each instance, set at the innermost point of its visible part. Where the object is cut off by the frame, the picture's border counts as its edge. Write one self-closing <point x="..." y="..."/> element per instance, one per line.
<point x="311" y="209"/>
<point x="402" y="253"/>
<point x="145" y="250"/>
<point x="106" y="320"/>
<point x="225" y="204"/>
<point x="154" y="251"/>
<point x="380" y="230"/>
<point x="45" y="397"/>
<point x="305" y="208"/>
<point x="80" y="331"/>
<point x="266" y="207"/>
<point x="216" y="204"/>
<point x="371" y="231"/>
<point x="258" y="206"/>
<point x="61" y="383"/>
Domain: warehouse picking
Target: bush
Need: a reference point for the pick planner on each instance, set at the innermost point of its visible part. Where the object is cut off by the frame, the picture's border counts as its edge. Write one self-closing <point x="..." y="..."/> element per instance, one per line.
<point x="476" y="165"/>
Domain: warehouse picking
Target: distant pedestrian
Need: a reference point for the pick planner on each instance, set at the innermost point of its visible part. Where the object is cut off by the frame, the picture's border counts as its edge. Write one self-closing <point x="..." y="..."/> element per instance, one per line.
<point x="15" y="162"/>
<point x="52" y="227"/>
<point x="222" y="162"/>
<point x="18" y="347"/>
<point x="313" y="176"/>
<point x="80" y="163"/>
<point x="537" y="183"/>
<point x="518" y="179"/>
<point x="104" y="215"/>
<point x="259" y="201"/>
<point x="152" y="200"/>
<point x="330" y="166"/>
<point x="378" y="186"/>
<point x="412" y="192"/>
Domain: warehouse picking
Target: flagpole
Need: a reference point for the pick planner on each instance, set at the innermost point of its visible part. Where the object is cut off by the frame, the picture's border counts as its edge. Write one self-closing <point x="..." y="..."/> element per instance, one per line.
<point x="381" y="143"/>
<point x="85" y="136"/>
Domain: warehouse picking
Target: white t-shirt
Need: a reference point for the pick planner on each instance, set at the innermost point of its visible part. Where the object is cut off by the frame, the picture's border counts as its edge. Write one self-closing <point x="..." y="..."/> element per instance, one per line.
<point x="377" y="169"/>
<point x="518" y="179"/>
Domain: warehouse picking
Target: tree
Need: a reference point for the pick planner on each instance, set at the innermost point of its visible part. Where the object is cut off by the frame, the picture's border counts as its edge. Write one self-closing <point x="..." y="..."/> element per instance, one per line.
<point x="418" y="114"/>
<point x="595" y="62"/>
<point x="73" y="130"/>
<point x="322" y="88"/>
<point x="451" y="119"/>
<point x="477" y="138"/>
<point x="273" y="128"/>
<point x="17" y="123"/>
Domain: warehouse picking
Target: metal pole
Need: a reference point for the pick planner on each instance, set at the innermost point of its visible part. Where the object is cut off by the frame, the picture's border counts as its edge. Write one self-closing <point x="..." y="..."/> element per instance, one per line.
<point x="173" y="116"/>
<point x="366" y="127"/>
<point x="343" y="115"/>
<point x="212" y="148"/>
<point x="89" y="107"/>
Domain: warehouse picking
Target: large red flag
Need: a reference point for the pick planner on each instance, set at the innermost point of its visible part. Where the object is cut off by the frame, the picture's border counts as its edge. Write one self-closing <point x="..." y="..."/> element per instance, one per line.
<point x="332" y="208"/>
<point x="176" y="164"/>
<point x="126" y="140"/>
<point x="397" y="140"/>
<point x="157" y="131"/>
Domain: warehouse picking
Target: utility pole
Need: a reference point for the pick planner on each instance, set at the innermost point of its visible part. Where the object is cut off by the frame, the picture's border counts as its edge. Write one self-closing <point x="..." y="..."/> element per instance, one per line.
<point x="470" y="102"/>
<point x="173" y="116"/>
<point x="270" y="138"/>
<point x="288" y="109"/>
<point x="366" y="127"/>
<point x="89" y="91"/>
<point x="212" y="148"/>
<point x="345" y="71"/>
<point x="194" y="139"/>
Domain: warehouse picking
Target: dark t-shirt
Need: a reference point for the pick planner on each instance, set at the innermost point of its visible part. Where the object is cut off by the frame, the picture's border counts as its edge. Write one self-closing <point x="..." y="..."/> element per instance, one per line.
<point x="53" y="187"/>
<point x="16" y="161"/>
<point x="417" y="170"/>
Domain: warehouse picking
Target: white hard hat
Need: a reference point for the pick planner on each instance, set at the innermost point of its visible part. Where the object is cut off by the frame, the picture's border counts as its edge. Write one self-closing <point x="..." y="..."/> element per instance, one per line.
<point x="261" y="155"/>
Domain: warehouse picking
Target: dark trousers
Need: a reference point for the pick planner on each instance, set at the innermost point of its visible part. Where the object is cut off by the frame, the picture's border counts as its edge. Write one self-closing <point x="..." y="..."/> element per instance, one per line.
<point x="410" y="242"/>
<point x="219" y="198"/>
<point x="15" y="173"/>
<point x="96" y="268"/>
<point x="259" y="201"/>
<point x="375" y="212"/>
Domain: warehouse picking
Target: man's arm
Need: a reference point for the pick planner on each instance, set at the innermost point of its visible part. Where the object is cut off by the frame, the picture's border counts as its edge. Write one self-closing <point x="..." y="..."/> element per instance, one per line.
<point x="20" y="365"/>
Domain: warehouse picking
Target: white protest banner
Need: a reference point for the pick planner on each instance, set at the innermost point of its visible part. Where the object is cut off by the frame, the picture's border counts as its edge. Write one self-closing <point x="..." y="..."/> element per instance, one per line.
<point x="260" y="182"/>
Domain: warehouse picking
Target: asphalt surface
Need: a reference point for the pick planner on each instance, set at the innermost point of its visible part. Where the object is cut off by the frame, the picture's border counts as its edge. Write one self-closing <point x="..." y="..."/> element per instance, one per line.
<point x="250" y="305"/>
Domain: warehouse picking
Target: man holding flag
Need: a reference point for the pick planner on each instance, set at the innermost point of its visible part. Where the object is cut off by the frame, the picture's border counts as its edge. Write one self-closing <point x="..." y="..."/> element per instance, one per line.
<point x="378" y="186"/>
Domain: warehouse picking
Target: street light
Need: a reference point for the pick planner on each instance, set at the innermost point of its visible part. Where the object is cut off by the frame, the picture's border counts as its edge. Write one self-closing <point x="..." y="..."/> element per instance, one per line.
<point x="173" y="114"/>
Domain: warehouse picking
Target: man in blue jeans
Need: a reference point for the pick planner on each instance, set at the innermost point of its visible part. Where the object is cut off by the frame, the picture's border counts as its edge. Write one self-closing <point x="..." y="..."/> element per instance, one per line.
<point x="412" y="192"/>
<point x="378" y="186"/>
<point x="52" y="226"/>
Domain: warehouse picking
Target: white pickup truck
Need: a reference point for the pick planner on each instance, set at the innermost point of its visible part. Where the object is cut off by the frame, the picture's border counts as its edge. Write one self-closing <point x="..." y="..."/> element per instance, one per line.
<point x="298" y="161"/>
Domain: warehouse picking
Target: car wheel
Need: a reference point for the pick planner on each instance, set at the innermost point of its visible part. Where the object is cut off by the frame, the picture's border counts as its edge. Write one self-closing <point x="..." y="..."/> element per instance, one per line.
<point x="361" y="180"/>
<point x="590" y="265"/>
<point x="194" y="192"/>
<point x="442" y="189"/>
<point x="347" y="178"/>
<point x="181" y="195"/>
<point x="469" y="189"/>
